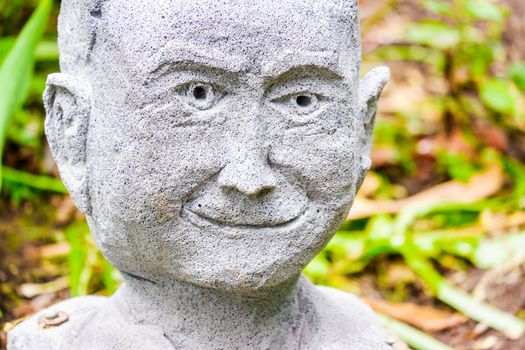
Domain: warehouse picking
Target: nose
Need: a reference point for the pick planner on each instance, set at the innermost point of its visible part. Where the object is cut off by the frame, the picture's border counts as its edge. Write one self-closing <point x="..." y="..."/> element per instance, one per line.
<point x="248" y="173"/>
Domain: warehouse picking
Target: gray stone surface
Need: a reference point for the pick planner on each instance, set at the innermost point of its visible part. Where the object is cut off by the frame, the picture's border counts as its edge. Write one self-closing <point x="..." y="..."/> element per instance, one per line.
<point x="215" y="147"/>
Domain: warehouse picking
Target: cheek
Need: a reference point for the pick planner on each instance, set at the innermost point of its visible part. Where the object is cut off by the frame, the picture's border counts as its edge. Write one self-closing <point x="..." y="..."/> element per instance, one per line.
<point x="156" y="170"/>
<point x="327" y="165"/>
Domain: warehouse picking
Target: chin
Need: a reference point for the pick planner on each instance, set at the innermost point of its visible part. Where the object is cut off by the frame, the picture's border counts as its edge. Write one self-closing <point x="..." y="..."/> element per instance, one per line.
<point x="243" y="278"/>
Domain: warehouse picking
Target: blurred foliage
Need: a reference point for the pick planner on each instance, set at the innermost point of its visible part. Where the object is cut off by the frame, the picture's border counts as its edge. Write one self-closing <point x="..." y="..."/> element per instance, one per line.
<point x="446" y="193"/>
<point x="13" y="13"/>
<point x="16" y="69"/>
<point x="461" y="44"/>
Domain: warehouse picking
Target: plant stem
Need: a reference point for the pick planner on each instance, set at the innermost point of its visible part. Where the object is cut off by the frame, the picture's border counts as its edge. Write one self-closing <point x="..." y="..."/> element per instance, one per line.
<point x="413" y="337"/>
<point x="502" y="321"/>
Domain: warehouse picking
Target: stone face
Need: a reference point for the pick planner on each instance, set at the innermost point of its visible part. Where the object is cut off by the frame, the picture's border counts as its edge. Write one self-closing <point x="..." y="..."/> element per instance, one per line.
<point x="215" y="147"/>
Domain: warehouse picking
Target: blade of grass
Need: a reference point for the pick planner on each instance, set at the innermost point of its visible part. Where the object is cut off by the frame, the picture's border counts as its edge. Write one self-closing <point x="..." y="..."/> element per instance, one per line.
<point x="506" y="323"/>
<point x="17" y="68"/>
<point x="39" y="182"/>
<point x="87" y="270"/>
<point x="110" y="277"/>
<point x="413" y="337"/>
<point x="77" y="259"/>
<point x="6" y="44"/>
<point x="502" y="321"/>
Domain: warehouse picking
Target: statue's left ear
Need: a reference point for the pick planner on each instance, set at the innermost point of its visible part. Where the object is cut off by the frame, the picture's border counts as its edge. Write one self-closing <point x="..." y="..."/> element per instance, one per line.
<point x="370" y="88"/>
<point x="68" y="105"/>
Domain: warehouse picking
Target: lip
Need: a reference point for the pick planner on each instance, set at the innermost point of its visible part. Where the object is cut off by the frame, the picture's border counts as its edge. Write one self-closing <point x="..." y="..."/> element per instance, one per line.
<point x="236" y="230"/>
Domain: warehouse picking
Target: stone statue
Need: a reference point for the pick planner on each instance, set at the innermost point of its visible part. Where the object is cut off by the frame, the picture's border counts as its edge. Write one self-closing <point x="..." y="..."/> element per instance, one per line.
<point x="214" y="147"/>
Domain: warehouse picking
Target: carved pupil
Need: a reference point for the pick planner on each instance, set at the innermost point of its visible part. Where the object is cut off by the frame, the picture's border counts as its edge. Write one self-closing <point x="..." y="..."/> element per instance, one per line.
<point x="199" y="93"/>
<point x="303" y="100"/>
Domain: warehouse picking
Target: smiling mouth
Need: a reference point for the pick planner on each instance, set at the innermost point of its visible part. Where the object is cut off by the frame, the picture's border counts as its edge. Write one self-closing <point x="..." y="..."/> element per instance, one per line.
<point x="203" y="221"/>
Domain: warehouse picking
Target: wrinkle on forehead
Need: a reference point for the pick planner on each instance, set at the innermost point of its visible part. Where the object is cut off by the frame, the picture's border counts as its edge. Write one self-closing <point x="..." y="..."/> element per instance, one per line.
<point x="254" y="29"/>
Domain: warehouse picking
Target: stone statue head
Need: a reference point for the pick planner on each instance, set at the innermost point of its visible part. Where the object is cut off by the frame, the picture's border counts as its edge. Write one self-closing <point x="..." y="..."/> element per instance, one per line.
<point x="221" y="142"/>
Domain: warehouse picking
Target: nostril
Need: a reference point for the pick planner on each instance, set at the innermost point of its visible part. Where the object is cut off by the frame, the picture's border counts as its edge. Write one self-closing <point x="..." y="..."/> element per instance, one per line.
<point x="251" y="177"/>
<point x="249" y="191"/>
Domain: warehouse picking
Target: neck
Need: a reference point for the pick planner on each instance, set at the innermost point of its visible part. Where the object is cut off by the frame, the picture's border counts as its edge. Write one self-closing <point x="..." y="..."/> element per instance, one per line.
<point x="196" y="317"/>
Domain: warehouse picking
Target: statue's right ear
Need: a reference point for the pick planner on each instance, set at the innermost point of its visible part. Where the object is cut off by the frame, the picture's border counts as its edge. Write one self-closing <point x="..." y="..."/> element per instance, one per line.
<point x="67" y="101"/>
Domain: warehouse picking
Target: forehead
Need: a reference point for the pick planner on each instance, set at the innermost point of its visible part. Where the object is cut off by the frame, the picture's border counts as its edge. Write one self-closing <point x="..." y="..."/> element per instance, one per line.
<point x="253" y="32"/>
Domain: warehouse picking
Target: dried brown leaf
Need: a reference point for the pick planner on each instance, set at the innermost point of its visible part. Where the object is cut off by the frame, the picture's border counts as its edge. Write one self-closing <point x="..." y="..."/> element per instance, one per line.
<point x="31" y="290"/>
<point x="422" y="317"/>
<point x="481" y="186"/>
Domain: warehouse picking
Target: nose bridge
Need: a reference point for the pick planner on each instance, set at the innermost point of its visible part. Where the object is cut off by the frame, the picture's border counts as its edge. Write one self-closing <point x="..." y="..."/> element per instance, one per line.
<point x="250" y="129"/>
<point x="248" y="139"/>
<point x="248" y="170"/>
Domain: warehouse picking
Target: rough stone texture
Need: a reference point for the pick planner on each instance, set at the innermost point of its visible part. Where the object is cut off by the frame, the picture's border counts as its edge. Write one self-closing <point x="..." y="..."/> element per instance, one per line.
<point x="215" y="147"/>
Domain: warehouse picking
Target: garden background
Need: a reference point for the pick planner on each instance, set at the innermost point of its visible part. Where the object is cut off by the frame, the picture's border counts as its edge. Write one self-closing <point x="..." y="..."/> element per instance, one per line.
<point x="435" y="242"/>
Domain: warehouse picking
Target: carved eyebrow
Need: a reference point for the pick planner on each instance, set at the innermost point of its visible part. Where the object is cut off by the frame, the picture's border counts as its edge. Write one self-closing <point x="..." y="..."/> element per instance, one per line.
<point x="287" y="62"/>
<point x="173" y="55"/>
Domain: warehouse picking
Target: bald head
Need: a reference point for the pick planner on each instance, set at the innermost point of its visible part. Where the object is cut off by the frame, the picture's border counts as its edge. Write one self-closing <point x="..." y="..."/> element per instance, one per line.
<point x="259" y="27"/>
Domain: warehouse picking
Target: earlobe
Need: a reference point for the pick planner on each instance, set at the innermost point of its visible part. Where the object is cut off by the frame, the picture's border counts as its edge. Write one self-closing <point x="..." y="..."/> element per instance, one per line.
<point x="67" y="101"/>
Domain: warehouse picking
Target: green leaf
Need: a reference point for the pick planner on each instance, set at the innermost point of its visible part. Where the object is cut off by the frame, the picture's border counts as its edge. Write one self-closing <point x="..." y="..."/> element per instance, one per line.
<point x="434" y="34"/>
<point x="17" y="68"/>
<point x="111" y="277"/>
<point x="6" y="44"/>
<point x="502" y="321"/>
<point x="439" y="7"/>
<point x="497" y="95"/>
<point x="77" y="260"/>
<point x="479" y="58"/>
<point x="484" y="10"/>
<point x="413" y="337"/>
<point x="39" y="182"/>
<point x="517" y="73"/>
<point x="318" y="267"/>
<point x="457" y="165"/>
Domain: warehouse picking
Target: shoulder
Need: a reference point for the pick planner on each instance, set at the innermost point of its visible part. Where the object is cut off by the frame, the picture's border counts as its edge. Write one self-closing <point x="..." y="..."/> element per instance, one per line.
<point x="346" y="322"/>
<point x="348" y="305"/>
<point x="30" y="335"/>
<point x="93" y="323"/>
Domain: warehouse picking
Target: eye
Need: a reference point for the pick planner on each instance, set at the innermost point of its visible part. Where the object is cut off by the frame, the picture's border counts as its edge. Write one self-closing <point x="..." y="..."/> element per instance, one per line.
<point x="302" y="103"/>
<point x="306" y="103"/>
<point x="202" y="96"/>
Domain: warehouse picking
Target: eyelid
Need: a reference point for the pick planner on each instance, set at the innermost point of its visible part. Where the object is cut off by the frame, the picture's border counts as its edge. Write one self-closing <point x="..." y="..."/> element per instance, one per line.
<point x="178" y="86"/>
<point x="325" y="90"/>
<point x="217" y="87"/>
<point x="298" y="115"/>
<point x="167" y="82"/>
<point x="320" y="96"/>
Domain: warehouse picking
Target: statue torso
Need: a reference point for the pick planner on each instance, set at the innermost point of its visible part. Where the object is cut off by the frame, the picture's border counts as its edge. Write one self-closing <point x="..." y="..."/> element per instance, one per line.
<point x="341" y="322"/>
